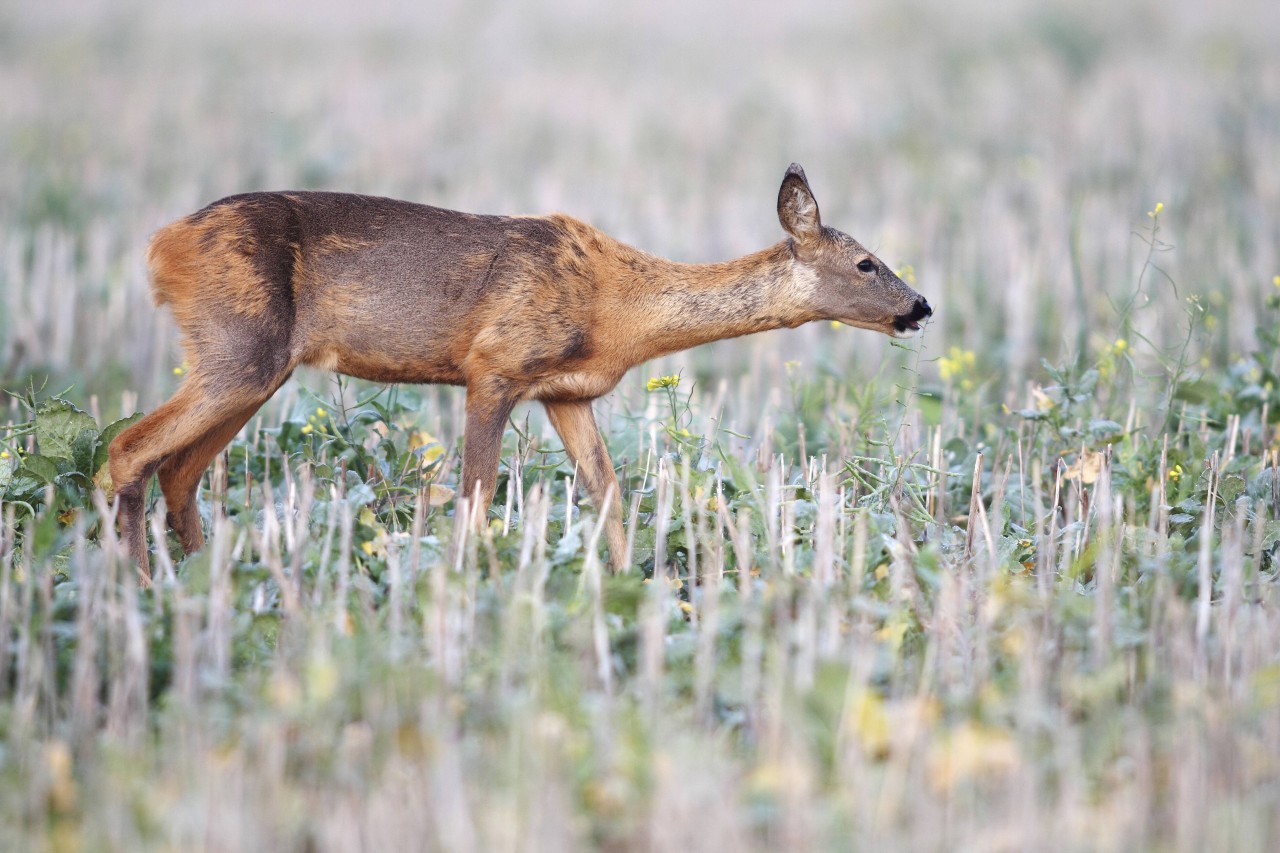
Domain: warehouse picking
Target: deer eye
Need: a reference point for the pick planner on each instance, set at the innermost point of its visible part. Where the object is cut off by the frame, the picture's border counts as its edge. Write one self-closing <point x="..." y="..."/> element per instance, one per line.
<point x="866" y="265"/>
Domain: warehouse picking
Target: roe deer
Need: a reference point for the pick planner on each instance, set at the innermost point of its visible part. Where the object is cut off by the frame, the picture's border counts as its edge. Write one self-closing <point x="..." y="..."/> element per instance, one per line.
<point x="515" y="308"/>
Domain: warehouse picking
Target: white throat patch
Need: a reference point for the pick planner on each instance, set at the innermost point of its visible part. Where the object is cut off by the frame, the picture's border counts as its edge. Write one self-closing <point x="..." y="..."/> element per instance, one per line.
<point x="804" y="281"/>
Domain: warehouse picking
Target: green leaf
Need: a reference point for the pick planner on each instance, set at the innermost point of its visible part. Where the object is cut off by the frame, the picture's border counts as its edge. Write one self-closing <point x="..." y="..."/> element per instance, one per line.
<point x="360" y="494"/>
<point x="47" y="529"/>
<point x="82" y="451"/>
<point x="6" y="474"/>
<point x="58" y="426"/>
<point x="108" y="435"/>
<point x="642" y="550"/>
<point x="1230" y="487"/>
<point x="568" y="547"/>
<point x="1197" y="391"/>
<point x="623" y="594"/>
<point x="39" y="467"/>
<point x="1101" y="427"/>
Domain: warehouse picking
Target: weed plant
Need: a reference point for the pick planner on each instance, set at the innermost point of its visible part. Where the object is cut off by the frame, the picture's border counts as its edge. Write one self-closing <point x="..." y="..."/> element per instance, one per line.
<point x="1011" y="587"/>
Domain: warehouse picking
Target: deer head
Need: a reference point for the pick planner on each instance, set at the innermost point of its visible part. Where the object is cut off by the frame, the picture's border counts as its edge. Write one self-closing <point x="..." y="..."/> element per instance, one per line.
<point x="851" y="284"/>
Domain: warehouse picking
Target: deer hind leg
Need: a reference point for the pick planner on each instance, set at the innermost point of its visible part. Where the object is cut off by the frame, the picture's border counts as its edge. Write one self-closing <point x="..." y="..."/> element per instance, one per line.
<point x="192" y="420"/>
<point x="180" y="475"/>
<point x="576" y="425"/>
<point x="488" y="406"/>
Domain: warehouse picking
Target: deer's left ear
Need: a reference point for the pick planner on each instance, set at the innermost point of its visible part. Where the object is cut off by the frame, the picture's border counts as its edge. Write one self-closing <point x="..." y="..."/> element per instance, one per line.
<point x="797" y="208"/>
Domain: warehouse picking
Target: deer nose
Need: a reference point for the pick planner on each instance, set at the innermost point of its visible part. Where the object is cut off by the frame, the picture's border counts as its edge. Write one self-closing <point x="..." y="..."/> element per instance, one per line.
<point x="910" y="322"/>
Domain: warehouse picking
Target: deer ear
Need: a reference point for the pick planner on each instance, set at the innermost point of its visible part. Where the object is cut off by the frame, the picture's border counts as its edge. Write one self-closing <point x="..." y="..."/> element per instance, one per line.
<point x="797" y="208"/>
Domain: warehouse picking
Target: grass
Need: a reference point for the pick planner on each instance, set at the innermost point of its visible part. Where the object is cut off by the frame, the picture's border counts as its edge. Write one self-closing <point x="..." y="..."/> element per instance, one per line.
<point x="1013" y="587"/>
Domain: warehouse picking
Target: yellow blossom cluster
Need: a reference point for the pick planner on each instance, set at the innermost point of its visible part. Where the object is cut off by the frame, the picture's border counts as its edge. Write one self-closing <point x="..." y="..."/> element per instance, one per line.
<point x="956" y="362"/>
<point x="658" y="382"/>
<point x="1109" y="357"/>
<point x="316" y="422"/>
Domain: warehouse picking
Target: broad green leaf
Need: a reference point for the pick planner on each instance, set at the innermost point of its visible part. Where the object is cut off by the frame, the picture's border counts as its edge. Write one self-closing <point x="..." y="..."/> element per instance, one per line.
<point x="623" y="594"/>
<point x="568" y="547"/>
<point x="360" y="495"/>
<point x="82" y="451"/>
<point x="39" y="467"/>
<point x="1102" y="428"/>
<point x="1088" y="381"/>
<point x="108" y="435"/>
<point x="58" y="426"/>
<point x="1230" y="487"/>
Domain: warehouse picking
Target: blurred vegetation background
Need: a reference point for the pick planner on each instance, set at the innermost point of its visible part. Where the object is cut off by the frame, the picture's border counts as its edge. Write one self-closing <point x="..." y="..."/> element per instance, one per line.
<point x="1005" y="152"/>
<point x="1013" y="587"/>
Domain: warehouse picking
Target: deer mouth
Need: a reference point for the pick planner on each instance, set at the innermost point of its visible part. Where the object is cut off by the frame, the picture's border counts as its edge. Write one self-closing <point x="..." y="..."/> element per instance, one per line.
<point x="906" y="325"/>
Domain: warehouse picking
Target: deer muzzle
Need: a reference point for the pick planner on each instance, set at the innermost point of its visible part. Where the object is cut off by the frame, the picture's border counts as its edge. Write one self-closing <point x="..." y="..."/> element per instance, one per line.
<point x="910" y="322"/>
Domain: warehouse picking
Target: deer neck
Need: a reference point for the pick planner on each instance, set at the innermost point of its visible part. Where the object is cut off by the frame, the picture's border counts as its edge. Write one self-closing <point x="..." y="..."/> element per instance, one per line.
<point x="669" y="306"/>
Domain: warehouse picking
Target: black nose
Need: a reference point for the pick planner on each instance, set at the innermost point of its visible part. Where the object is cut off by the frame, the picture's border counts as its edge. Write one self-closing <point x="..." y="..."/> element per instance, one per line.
<point x="911" y="320"/>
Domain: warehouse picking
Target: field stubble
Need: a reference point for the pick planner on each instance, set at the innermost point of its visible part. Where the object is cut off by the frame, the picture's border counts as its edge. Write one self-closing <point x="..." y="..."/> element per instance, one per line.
<point x="948" y="596"/>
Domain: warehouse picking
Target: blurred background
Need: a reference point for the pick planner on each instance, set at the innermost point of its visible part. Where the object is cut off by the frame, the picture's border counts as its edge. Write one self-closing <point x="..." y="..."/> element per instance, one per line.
<point x="1003" y="155"/>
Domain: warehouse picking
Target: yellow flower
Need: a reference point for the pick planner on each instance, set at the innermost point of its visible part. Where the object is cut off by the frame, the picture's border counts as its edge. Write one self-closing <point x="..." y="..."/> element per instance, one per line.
<point x="955" y="362"/>
<point x="306" y="428"/>
<point x="432" y="448"/>
<point x="1120" y="345"/>
<point x="1175" y="473"/>
<point x="322" y="413"/>
<point x="1043" y="401"/>
<point x="1276" y="280"/>
<point x="1153" y="213"/>
<point x="907" y="274"/>
<point x="178" y="371"/>
<point x="658" y="382"/>
<point x="4" y="454"/>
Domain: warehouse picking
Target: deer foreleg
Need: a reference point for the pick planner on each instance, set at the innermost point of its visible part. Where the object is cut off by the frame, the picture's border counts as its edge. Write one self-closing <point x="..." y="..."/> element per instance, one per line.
<point x="576" y="425"/>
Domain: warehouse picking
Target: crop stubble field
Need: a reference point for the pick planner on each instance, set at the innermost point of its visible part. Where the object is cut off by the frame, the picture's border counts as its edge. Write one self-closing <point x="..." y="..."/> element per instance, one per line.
<point x="1010" y="587"/>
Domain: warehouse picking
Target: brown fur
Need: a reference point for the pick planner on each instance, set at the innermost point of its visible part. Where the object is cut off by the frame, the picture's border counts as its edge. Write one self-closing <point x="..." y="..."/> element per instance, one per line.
<point x="515" y="308"/>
